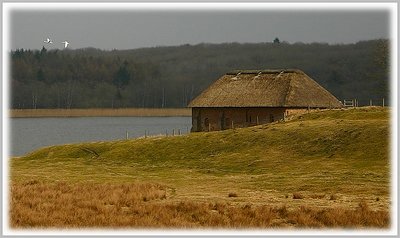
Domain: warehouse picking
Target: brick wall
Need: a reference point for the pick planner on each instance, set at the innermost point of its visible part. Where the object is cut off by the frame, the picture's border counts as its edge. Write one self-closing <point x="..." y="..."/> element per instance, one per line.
<point x="213" y="119"/>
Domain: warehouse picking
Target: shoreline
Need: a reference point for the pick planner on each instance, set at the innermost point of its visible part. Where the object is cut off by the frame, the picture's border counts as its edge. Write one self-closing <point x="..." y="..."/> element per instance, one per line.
<point x="101" y="112"/>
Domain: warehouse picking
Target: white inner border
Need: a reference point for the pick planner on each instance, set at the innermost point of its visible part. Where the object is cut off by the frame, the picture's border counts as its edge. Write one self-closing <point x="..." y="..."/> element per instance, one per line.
<point x="163" y="6"/>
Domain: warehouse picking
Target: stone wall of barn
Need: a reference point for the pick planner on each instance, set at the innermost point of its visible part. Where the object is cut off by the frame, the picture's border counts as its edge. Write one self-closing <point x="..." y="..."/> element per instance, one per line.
<point x="213" y="119"/>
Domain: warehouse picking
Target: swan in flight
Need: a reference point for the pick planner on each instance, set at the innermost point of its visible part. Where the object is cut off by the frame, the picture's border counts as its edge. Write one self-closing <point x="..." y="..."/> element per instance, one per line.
<point x="48" y="41"/>
<point x="65" y="43"/>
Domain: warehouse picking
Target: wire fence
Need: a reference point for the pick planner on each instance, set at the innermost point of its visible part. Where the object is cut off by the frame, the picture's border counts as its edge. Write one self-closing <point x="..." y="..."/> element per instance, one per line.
<point x="371" y="102"/>
<point x="167" y="133"/>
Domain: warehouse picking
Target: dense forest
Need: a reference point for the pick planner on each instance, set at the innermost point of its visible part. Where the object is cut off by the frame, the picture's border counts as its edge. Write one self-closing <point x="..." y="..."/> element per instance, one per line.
<point x="173" y="76"/>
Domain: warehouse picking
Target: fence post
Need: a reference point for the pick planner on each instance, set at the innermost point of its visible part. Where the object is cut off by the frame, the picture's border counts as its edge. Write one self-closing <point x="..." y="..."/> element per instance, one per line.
<point x="179" y="131"/>
<point x="209" y="127"/>
<point x="166" y="133"/>
<point x="173" y="132"/>
<point x="257" y="119"/>
<point x="370" y="103"/>
<point x="145" y="133"/>
<point x="126" y="135"/>
<point x="232" y="125"/>
<point x="383" y="102"/>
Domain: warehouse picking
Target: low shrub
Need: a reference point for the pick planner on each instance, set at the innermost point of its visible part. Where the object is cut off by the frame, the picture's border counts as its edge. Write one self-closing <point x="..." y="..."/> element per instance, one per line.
<point x="232" y="195"/>
<point x="297" y="196"/>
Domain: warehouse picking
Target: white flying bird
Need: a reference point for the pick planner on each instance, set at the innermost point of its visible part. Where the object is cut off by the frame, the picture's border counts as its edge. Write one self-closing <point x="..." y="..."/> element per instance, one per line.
<point x="48" y="41"/>
<point x="65" y="43"/>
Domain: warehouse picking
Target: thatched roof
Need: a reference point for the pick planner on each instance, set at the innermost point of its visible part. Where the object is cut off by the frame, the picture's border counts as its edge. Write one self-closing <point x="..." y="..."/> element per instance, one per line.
<point x="266" y="88"/>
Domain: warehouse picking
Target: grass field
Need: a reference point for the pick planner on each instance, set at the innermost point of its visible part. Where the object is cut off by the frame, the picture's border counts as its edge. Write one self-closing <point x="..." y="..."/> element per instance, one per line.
<point x="101" y="112"/>
<point x="323" y="169"/>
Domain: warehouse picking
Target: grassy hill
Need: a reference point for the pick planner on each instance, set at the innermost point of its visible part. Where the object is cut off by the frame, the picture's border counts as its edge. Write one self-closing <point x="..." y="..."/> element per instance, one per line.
<point x="328" y="159"/>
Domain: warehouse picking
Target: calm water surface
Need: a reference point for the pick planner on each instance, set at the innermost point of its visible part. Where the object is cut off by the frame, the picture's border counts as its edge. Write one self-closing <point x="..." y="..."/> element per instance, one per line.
<point x="28" y="134"/>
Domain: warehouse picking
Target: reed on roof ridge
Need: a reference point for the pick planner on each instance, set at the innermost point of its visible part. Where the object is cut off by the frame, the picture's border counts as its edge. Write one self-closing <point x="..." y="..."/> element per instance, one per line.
<point x="264" y="71"/>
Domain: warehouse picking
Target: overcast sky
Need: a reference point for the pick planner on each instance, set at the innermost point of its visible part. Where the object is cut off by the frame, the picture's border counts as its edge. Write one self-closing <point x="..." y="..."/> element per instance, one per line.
<point x="129" y="29"/>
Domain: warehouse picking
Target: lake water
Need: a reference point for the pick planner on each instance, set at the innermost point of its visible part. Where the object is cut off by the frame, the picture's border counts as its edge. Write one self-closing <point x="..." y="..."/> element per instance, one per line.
<point x="28" y="134"/>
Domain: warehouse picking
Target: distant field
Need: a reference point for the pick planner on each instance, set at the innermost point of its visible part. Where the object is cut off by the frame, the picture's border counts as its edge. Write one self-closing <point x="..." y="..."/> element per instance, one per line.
<point x="101" y="112"/>
<point x="322" y="169"/>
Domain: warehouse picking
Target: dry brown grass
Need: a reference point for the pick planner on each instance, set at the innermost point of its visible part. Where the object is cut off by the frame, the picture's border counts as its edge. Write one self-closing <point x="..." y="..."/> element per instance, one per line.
<point x="100" y="112"/>
<point x="361" y="217"/>
<point x="317" y="196"/>
<point x="34" y="204"/>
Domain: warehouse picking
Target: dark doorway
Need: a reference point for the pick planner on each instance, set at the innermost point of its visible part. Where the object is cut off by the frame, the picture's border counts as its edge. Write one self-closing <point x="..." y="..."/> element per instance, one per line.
<point x="228" y="123"/>
<point x="198" y="122"/>
<point x="222" y="121"/>
<point x="207" y="124"/>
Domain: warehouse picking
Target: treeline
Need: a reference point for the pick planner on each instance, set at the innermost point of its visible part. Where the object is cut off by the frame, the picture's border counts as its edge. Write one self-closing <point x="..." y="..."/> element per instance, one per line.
<point x="173" y="76"/>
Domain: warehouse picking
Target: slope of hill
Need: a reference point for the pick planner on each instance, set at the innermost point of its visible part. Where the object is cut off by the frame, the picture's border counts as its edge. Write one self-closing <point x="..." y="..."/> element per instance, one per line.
<point x="323" y="160"/>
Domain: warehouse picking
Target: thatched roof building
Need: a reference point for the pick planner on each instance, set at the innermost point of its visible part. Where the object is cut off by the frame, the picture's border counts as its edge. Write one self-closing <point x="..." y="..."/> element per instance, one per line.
<point x="248" y="97"/>
<point x="266" y="88"/>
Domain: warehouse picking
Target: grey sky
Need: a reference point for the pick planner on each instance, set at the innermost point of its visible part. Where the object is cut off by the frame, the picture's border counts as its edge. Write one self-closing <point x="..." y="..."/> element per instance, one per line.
<point x="135" y="29"/>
